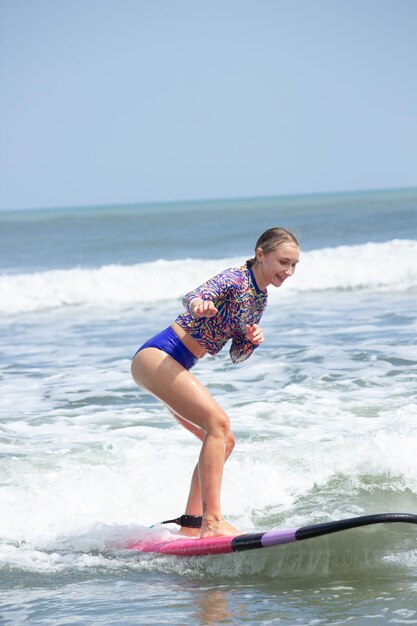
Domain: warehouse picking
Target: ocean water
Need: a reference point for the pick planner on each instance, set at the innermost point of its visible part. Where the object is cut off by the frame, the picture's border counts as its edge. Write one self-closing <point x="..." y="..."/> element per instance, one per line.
<point x="324" y="413"/>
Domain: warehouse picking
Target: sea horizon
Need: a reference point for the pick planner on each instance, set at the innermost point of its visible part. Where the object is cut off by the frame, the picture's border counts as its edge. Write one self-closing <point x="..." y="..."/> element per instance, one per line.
<point x="203" y="203"/>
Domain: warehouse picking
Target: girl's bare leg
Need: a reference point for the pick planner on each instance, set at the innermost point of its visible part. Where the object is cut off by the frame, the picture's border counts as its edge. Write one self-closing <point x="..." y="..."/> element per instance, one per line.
<point x="193" y="506"/>
<point x="176" y="387"/>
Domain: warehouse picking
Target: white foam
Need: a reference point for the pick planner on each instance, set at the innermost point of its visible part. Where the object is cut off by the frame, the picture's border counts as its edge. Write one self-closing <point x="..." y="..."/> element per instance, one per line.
<point x="92" y="476"/>
<point x="390" y="265"/>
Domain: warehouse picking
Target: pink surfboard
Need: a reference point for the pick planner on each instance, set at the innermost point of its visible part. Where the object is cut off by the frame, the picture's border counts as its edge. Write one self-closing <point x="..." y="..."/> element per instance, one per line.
<point x="178" y="545"/>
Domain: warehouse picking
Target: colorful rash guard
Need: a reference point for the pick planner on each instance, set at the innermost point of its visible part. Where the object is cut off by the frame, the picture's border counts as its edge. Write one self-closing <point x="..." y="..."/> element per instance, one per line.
<point x="238" y="300"/>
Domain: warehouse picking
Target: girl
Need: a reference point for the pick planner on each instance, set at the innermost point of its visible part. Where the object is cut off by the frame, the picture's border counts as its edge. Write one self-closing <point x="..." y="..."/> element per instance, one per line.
<point x="228" y="306"/>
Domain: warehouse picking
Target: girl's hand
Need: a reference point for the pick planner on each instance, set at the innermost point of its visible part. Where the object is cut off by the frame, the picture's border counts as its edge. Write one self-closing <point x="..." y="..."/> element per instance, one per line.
<point x="255" y="334"/>
<point x="203" y="308"/>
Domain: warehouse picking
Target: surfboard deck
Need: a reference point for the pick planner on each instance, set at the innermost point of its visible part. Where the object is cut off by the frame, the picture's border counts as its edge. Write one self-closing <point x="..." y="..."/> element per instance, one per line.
<point x="178" y="545"/>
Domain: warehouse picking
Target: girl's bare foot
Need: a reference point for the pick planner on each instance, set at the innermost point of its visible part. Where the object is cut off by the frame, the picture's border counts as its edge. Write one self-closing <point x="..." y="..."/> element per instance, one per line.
<point x="217" y="528"/>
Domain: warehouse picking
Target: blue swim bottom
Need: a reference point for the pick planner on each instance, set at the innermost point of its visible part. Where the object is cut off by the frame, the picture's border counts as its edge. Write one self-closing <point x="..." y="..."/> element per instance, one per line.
<point x="169" y="342"/>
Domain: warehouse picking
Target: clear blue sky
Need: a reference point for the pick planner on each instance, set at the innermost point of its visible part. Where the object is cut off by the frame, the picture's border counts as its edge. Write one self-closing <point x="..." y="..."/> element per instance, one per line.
<point x="119" y="101"/>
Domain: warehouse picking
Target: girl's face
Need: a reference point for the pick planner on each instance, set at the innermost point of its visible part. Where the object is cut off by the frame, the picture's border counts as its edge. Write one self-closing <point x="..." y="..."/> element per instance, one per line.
<point x="276" y="266"/>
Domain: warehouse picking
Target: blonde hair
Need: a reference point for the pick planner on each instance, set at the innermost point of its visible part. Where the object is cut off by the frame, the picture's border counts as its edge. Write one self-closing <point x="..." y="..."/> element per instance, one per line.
<point x="271" y="239"/>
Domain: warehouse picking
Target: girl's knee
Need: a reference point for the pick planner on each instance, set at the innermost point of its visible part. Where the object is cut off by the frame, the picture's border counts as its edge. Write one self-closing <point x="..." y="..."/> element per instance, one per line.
<point x="219" y="424"/>
<point x="230" y="443"/>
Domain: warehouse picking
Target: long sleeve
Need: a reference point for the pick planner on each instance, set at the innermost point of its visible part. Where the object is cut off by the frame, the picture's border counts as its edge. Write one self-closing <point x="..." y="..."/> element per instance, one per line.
<point x="241" y="349"/>
<point x="218" y="288"/>
<point x="238" y="302"/>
